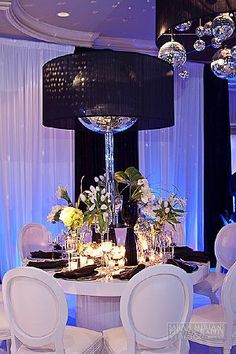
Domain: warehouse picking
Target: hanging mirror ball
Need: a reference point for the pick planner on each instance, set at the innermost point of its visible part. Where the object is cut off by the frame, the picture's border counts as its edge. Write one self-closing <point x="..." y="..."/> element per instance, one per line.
<point x="208" y="29"/>
<point x="199" y="45"/>
<point x="182" y="27"/>
<point x="223" y="26"/>
<point x="174" y="53"/>
<point x="200" y="31"/>
<point x="233" y="52"/>
<point x="216" y="42"/>
<point x="223" y="64"/>
<point x="184" y="74"/>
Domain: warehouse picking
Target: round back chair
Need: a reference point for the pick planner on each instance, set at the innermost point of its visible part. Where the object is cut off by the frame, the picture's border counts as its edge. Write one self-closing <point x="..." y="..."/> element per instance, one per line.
<point x="155" y="305"/>
<point x="36" y="309"/>
<point x="225" y="247"/>
<point x="33" y="237"/>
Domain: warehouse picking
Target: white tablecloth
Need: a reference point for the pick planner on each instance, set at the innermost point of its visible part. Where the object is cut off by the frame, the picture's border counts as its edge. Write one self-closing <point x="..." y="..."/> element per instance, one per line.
<point x="98" y="303"/>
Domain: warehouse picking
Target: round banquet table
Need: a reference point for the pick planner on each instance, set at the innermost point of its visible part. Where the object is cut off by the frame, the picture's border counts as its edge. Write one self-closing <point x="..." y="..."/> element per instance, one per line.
<point x="98" y="303"/>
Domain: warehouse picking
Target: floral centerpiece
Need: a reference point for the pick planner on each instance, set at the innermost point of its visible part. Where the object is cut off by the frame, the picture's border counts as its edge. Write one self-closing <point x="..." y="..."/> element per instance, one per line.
<point x="98" y="205"/>
<point x="71" y="216"/>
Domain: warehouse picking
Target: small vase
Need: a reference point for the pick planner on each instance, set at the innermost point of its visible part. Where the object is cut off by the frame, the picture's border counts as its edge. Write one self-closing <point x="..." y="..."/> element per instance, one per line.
<point x="130" y="216"/>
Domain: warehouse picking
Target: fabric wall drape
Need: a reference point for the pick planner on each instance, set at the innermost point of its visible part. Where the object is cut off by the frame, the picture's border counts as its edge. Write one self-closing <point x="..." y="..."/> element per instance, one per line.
<point x="217" y="155"/>
<point x="34" y="160"/>
<point x="172" y="158"/>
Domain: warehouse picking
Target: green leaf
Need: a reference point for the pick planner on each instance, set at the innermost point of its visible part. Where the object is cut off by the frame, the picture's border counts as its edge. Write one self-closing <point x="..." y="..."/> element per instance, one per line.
<point x="121" y="177"/>
<point x="133" y="174"/>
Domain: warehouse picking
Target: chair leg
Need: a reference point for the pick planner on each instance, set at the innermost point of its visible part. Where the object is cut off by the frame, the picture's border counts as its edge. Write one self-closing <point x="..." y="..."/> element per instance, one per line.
<point x="8" y="342"/>
<point x="214" y="299"/>
<point x="227" y="350"/>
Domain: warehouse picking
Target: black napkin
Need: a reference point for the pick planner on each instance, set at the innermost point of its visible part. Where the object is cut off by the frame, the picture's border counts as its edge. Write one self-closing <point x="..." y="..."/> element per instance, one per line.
<point x="45" y="255"/>
<point x="188" y="267"/>
<point x="86" y="271"/>
<point x="187" y="254"/>
<point x="48" y="264"/>
<point x="129" y="273"/>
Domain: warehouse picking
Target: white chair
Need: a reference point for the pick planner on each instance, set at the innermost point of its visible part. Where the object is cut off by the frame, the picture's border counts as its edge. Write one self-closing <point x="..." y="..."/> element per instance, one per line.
<point x="155" y="304"/>
<point x="5" y="334"/>
<point x="33" y="237"/>
<point x="215" y="324"/>
<point x="37" y="312"/>
<point x="225" y="252"/>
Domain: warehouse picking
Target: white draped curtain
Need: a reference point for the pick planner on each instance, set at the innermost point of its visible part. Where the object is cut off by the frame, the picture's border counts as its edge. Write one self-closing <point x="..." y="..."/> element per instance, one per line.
<point x="173" y="158"/>
<point x="34" y="160"/>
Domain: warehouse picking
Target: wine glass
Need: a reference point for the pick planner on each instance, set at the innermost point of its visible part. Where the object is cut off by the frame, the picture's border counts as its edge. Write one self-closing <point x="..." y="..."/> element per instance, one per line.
<point x="51" y="244"/>
<point x="71" y="247"/>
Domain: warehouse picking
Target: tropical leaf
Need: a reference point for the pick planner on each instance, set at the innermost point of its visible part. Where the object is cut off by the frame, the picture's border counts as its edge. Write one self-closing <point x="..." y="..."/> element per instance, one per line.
<point x="121" y="177"/>
<point x="133" y="174"/>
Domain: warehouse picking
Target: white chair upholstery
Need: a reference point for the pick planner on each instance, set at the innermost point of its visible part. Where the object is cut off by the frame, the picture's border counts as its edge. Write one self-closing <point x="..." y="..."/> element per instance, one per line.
<point x="5" y="334"/>
<point x="153" y="300"/>
<point x="215" y="324"/>
<point x="225" y="252"/>
<point x="33" y="237"/>
<point x="37" y="312"/>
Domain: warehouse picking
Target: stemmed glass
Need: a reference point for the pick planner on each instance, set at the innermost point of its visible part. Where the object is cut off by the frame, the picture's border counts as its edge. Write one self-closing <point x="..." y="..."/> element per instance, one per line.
<point x="106" y="247"/>
<point x="51" y="243"/>
<point x="71" y="248"/>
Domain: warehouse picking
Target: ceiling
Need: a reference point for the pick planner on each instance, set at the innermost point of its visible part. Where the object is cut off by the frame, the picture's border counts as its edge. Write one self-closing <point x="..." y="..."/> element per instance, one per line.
<point x="88" y="20"/>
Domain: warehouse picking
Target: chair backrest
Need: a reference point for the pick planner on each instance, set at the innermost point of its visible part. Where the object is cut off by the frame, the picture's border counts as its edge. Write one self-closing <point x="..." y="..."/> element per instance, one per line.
<point x="33" y="237"/>
<point x="225" y="246"/>
<point x="155" y="304"/>
<point x="35" y="307"/>
<point x="228" y="297"/>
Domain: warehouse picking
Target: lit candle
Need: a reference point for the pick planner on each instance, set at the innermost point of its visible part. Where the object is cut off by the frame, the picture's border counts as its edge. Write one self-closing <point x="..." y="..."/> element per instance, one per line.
<point x="83" y="261"/>
<point x="141" y="259"/>
<point x="73" y="265"/>
<point x="121" y="262"/>
<point x="90" y="261"/>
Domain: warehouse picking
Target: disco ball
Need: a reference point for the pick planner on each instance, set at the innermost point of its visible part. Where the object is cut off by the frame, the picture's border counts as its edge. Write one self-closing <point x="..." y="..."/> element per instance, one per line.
<point x="182" y="27"/>
<point x="216" y="42"/>
<point x="233" y="52"/>
<point x="106" y="124"/>
<point x="184" y="74"/>
<point x="200" y="31"/>
<point x="223" y="65"/>
<point x="208" y="29"/>
<point x="223" y="26"/>
<point x="199" y="45"/>
<point x="174" y="53"/>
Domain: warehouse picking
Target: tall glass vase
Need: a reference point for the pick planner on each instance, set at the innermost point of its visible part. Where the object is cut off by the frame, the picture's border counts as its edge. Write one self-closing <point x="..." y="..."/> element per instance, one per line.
<point x="130" y="216"/>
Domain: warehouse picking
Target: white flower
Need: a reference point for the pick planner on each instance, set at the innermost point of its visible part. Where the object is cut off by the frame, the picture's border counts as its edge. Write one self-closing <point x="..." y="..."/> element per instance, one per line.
<point x="158" y="219"/>
<point x="53" y="213"/>
<point x="96" y="179"/>
<point x="92" y="188"/>
<point x="61" y="192"/>
<point x="101" y="177"/>
<point x="92" y="207"/>
<point x="105" y="216"/>
<point x="103" y="197"/>
<point x="165" y="204"/>
<point x="103" y="191"/>
<point x="167" y="210"/>
<point x="159" y="200"/>
<point x="140" y="182"/>
<point x="103" y="207"/>
<point x="97" y="189"/>
<point x="144" y="199"/>
<point x="82" y="197"/>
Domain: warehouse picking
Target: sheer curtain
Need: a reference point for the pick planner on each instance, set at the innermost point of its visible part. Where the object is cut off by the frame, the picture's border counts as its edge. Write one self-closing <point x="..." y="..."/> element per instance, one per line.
<point x="34" y="160"/>
<point x="173" y="158"/>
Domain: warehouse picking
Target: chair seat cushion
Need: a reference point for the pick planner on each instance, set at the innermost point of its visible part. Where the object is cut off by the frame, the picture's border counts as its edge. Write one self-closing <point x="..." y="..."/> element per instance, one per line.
<point x="211" y="283"/>
<point x="207" y="324"/>
<point x="76" y="341"/>
<point x="115" y="342"/>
